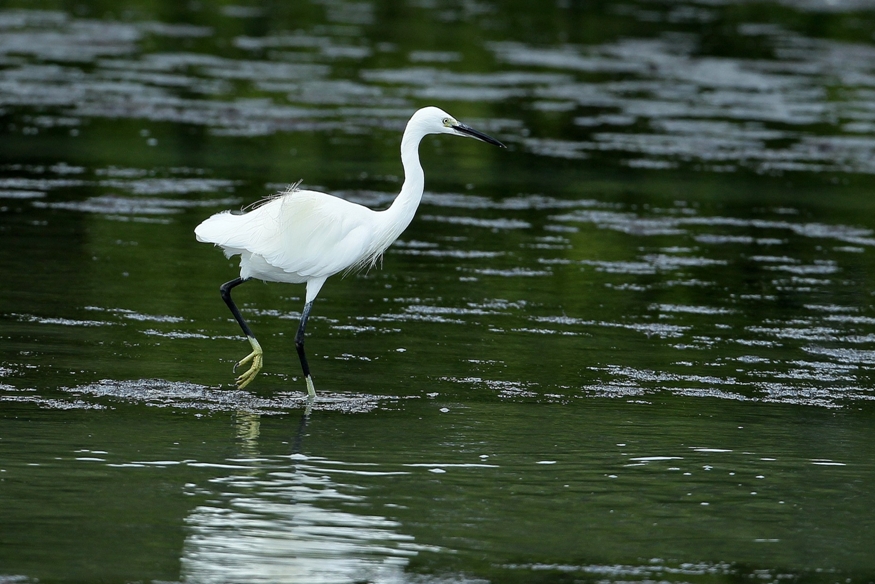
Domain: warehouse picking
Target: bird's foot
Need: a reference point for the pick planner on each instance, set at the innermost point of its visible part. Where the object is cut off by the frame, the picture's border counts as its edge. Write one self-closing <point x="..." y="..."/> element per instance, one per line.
<point x="257" y="362"/>
<point x="311" y="389"/>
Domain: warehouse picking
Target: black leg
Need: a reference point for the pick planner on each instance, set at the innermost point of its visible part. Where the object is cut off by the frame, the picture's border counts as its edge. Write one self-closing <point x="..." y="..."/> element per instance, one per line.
<point x="256" y="355"/>
<point x="299" y="345"/>
<point x="225" y="289"/>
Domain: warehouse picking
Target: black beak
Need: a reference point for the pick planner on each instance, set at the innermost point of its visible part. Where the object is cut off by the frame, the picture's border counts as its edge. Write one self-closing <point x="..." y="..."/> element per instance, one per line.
<point x="463" y="129"/>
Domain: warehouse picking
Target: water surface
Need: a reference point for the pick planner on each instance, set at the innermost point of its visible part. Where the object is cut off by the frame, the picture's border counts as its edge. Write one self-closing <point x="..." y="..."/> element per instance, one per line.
<point x="636" y="346"/>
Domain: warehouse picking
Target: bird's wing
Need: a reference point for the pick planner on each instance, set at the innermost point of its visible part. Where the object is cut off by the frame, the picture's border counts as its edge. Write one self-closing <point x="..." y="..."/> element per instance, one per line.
<point x="321" y="234"/>
<point x="303" y="232"/>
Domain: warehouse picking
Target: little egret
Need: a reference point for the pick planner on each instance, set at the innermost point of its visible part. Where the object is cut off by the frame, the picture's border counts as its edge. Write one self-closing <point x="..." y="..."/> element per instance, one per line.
<point x="304" y="236"/>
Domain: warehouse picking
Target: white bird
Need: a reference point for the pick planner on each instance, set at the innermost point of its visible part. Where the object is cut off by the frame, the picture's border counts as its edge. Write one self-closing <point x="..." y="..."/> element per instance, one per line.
<point x="302" y="236"/>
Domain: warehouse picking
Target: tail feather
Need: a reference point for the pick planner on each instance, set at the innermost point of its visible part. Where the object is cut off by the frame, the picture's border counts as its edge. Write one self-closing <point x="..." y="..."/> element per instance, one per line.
<point x="236" y="232"/>
<point x="216" y="229"/>
<point x="223" y="229"/>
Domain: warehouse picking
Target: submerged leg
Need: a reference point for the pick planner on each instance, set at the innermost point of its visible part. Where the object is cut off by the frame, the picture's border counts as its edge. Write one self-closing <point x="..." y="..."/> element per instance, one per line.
<point x="299" y="345"/>
<point x="256" y="355"/>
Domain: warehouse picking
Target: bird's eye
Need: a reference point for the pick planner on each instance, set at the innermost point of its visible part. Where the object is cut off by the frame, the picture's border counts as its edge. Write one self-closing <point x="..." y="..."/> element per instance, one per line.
<point x="447" y="122"/>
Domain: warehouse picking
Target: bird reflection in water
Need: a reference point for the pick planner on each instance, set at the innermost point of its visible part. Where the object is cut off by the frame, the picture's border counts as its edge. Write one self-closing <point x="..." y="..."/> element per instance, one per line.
<point x="284" y="519"/>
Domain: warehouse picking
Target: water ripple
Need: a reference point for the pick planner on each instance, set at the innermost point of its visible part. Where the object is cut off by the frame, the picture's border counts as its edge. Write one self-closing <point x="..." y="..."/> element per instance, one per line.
<point x="199" y="398"/>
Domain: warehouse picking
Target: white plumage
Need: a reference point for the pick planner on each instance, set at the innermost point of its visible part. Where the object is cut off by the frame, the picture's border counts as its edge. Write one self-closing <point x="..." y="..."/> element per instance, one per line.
<point x="285" y="239"/>
<point x="303" y="236"/>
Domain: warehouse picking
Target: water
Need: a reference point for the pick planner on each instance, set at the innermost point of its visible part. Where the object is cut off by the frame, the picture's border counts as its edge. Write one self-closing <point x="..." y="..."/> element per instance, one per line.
<point x="636" y="346"/>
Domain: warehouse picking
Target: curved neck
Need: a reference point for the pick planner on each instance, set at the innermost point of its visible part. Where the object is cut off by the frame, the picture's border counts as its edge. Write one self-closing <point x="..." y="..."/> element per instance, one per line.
<point x="402" y="210"/>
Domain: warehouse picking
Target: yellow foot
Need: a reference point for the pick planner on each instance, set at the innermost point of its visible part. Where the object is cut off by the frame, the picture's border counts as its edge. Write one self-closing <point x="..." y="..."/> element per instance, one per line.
<point x="257" y="362"/>
<point x="311" y="389"/>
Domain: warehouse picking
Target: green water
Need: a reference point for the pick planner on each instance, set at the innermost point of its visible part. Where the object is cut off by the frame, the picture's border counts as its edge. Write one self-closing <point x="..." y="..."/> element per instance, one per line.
<point x="635" y="346"/>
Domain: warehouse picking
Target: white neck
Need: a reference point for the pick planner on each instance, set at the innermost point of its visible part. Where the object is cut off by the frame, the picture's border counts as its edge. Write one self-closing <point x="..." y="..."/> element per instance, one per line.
<point x="400" y="214"/>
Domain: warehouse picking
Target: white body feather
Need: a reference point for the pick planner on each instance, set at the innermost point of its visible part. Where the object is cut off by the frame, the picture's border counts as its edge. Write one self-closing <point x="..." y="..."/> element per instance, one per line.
<point x="301" y="236"/>
<point x="307" y="236"/>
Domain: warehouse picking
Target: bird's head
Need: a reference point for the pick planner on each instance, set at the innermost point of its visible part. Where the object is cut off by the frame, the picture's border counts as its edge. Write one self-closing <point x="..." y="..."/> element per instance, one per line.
<point x="436" y="121"/>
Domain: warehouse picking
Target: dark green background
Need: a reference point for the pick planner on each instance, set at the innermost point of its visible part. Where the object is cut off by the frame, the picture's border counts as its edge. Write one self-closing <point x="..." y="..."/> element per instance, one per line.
<point x="638" y="343"/>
